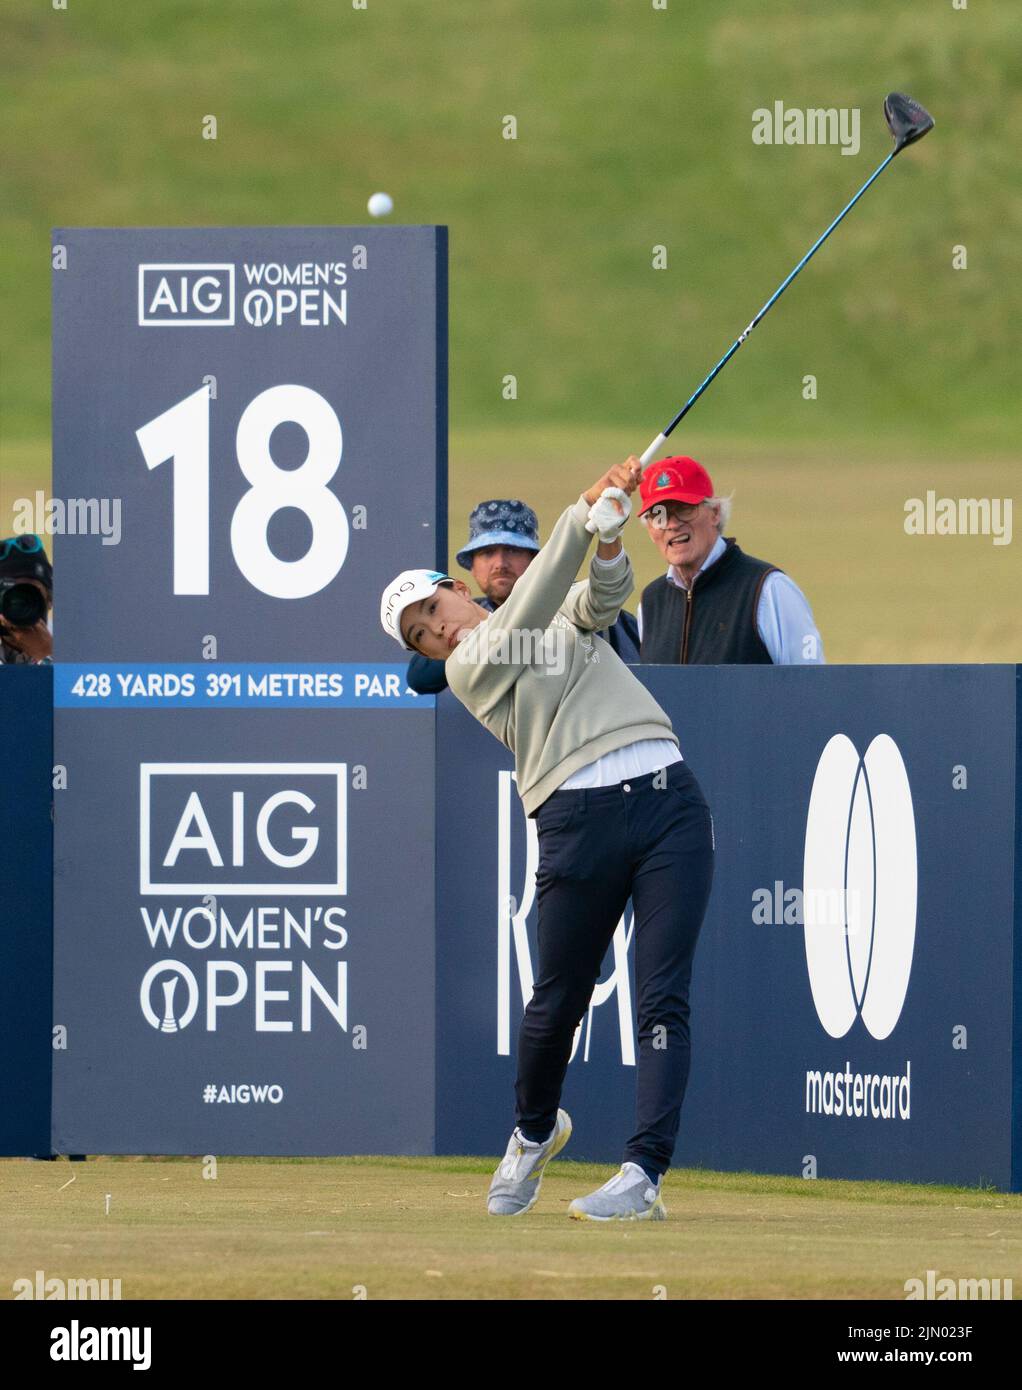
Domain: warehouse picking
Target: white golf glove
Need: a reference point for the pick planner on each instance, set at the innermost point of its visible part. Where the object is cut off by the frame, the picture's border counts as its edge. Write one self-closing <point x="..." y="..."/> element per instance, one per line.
<point x="609" y="513"/>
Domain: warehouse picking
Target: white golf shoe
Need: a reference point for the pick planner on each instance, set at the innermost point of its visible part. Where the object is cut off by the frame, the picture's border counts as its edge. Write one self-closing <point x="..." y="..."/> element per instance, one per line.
<point x="515" y="1184"/>
<point x="629" y="1196"/>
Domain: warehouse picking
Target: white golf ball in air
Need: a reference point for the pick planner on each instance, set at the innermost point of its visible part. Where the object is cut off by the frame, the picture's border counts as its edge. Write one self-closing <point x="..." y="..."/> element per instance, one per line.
<point x="380" y="204"/>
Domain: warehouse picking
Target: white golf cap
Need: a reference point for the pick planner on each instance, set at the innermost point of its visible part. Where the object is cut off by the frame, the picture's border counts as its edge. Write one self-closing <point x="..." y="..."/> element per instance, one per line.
<point x="408" y="587"/>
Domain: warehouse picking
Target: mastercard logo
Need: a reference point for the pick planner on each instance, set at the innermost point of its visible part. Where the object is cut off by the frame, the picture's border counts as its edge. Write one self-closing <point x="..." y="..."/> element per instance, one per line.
<point x="861" y="844"/>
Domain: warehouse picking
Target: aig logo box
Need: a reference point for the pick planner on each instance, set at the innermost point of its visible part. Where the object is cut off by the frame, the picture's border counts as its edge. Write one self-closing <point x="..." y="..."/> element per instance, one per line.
<point x="185" y="295"/>
<point x="242" y="828"/>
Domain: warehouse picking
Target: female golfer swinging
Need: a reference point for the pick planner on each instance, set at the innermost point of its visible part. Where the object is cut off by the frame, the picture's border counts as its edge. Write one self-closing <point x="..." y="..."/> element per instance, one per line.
<point x="619" y="816"/>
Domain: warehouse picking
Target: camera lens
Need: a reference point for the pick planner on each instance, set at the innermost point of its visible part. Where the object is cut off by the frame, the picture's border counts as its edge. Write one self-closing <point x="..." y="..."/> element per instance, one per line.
<point x="22" y="604"/>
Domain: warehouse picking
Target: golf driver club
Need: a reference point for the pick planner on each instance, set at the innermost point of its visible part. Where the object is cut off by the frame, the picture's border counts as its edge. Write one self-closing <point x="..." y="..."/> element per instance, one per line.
<point x="907" y="122"/>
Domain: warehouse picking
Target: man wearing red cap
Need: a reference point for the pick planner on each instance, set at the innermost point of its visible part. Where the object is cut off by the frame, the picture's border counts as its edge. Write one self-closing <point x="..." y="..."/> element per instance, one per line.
<point x="715" y="606"/>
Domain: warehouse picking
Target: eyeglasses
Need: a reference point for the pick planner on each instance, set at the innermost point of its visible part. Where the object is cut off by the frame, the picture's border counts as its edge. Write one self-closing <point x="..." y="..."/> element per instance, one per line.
<point x="29" y="545"/>
<point x="661" y="513"/>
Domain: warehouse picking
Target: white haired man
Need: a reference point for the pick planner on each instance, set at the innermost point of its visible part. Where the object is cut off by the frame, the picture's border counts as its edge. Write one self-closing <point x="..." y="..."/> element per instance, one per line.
<point x="618" y="814"/>
<point x="715" y="606"/>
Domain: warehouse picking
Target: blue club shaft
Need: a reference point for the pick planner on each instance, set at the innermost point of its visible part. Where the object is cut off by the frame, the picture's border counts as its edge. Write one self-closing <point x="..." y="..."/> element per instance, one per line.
<point x="658" y="442"/>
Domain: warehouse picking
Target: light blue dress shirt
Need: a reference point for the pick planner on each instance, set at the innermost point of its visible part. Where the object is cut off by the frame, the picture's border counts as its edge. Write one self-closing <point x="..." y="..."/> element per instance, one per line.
<point x="784" y="619"/>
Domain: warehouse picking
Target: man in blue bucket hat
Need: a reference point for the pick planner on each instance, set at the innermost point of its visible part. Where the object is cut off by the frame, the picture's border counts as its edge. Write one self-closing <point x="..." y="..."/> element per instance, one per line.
<point x="503" y="538"/>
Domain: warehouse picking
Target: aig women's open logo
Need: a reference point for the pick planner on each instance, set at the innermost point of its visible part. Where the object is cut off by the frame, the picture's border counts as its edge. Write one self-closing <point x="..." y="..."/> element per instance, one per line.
<point x="861" y="840"/>
<point x="193" y="295"/>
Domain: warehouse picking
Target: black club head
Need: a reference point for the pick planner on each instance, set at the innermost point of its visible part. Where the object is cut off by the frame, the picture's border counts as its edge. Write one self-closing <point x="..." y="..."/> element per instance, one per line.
<point x="906" y="119"/>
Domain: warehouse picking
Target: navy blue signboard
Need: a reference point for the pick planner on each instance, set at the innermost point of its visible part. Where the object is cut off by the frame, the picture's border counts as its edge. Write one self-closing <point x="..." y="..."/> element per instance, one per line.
<point x="26" y="908"/>
<point x="857" y="981"/>
<point x="241" y="967"/>
<point x="249" y="427"/>
<point x="249" y="936"/>
<point x="249" y="440"/>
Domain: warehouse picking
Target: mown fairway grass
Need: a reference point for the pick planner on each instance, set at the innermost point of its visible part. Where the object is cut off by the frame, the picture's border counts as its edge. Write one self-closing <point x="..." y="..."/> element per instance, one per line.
<point x="418" y="1228"/>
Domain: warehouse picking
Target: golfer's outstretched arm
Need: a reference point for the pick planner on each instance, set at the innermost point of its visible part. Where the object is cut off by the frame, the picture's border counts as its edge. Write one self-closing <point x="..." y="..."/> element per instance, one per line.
<point x="544" y="588"/>
<point x="480" y="667"/>
<point x="596" y="602"/>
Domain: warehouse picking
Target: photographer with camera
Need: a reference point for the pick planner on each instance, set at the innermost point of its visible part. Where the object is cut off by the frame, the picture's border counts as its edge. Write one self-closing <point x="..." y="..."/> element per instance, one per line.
<point x="26" y="597"/>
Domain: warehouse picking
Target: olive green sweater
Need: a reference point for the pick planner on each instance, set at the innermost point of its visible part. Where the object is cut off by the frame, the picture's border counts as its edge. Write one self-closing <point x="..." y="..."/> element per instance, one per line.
<point x="535" y="673"/>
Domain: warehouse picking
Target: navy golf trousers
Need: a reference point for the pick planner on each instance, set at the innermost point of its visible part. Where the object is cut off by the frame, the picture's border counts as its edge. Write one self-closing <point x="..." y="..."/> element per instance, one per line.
<point x="598" y="847"/>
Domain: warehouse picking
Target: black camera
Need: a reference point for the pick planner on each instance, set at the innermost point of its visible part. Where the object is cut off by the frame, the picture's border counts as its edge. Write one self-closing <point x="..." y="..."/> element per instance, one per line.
<point x="23" y="605"/>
